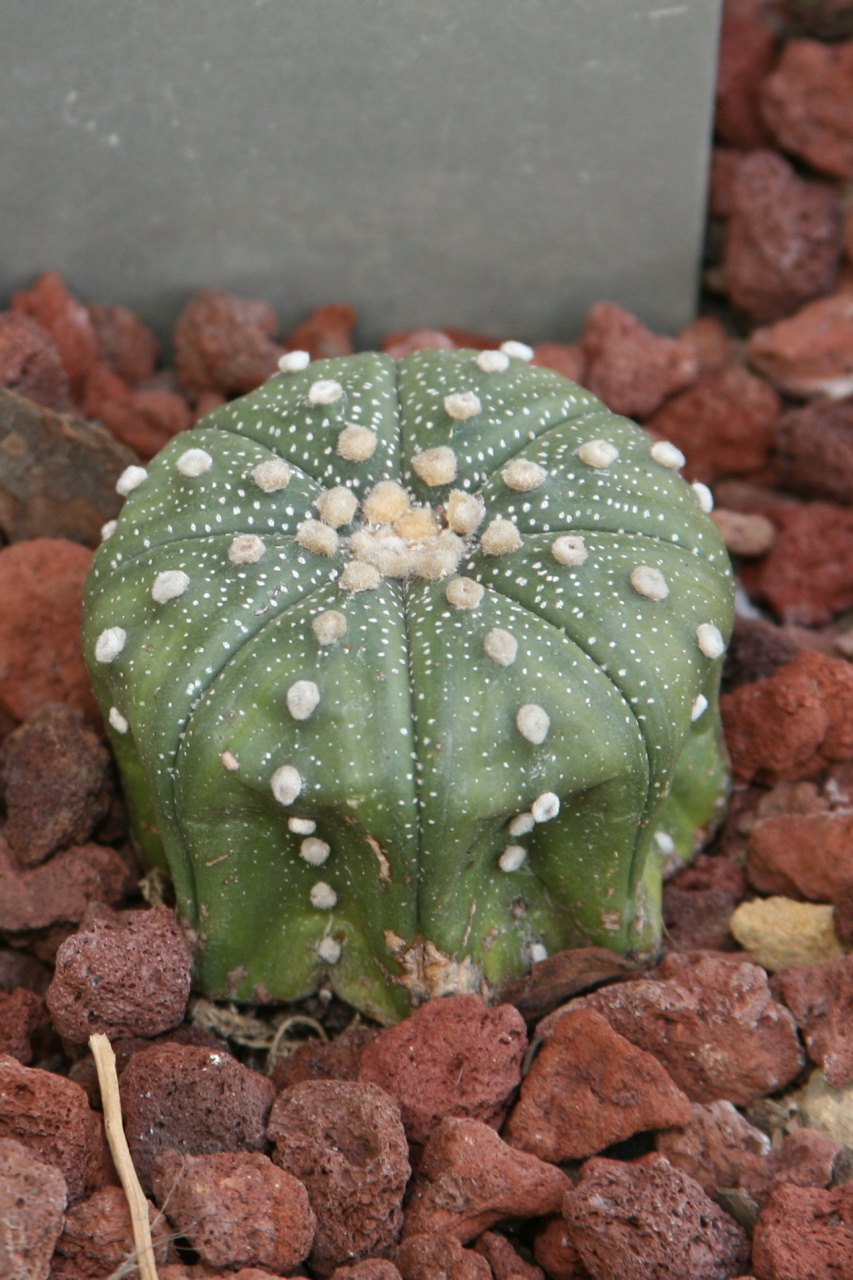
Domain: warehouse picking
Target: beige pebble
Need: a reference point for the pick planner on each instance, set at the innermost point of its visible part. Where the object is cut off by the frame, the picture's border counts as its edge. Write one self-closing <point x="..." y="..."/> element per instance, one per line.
<point x="827" y="1109"/>
<point x="779" y="931"/>
<point x="743" y="534"/>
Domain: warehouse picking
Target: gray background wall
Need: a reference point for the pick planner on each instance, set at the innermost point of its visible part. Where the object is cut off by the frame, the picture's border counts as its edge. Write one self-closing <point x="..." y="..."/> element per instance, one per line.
<point x="497" y="164"/>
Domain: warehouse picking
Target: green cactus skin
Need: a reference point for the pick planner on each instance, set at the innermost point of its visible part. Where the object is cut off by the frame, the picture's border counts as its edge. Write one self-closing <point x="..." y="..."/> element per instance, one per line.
<point x="407" y="767"/>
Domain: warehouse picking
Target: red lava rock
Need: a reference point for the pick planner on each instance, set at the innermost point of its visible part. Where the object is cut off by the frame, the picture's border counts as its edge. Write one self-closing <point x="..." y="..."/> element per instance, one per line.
<point x="197" y="1100"/>
<point x="725" y="162"/>
<point x="97" y="1237"/>
<point x="50" y="304"/>
<point x="61" y="889"/>
<point x="22" y="1013"/>
<point x="327" y="332"/>
<point x="41" y="655"/>
<point x="125" y="344"/>
<point x="804" y="1158"/>
<point x="29" y="362"/>
<point x="469" y="1179"/>
<point x="346" y="1142"/>
<point x="589" y="1087"/>
<point x="716" y="1147"/>
<point x="225" y="343"/>
<point x="566" y="358"/>
<point x="811" y="352"/>
<point x="50" y="1115"/>
<point x="338" y="1059"/>
<point x="144" y="419"/>
<point x="504" y="1259"/>
<point x="402" y="342"/>
<point x="820" y="996"/>
<point x="368" y="1269"/>
<point x="710" y="341"/>
<point x="124" y="973"/>
<point x="756" y="649"/>
<point x="32" y="1200"/>
<point x="698" y="901"/>
<point x="453" y="1056"/>
<point x="55" y="771"/>
<point x="748" y="52"/>
<point x="438" y="1256"/>
<point x="723" y="423"/>
<point x="621" y="1218"/>
<point x="814" y="450"/>
<point x="842" y="917"/>
<point x="804" y="1233"/>
<point x="808" y="103"/>
<point x="632" y="369"/>
<point x="793" y="723"/>
<point x="807" y="855"/>
<point x="235" y="1208"/>
<point x="552" y="981"/>
<point x="783" y="243"/>
<point x="710" y="1019"/>
<point x="805" y="577"/>
<point x="555" y="1253"/>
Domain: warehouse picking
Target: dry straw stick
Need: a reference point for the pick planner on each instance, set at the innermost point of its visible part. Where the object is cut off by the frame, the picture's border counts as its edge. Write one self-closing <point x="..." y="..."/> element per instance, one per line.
<point x="105" y="1062"/>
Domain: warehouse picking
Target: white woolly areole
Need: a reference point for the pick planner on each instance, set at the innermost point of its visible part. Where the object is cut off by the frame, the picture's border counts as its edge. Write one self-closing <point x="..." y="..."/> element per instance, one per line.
<point x="336" y="506"/>
<point x="328" y="626"/>
<point x="569" y="548"/>
<point x="118" y="721"/>
<point x="649" y="582"/>
<point x="294" y="361"/>
<point x="523" y="475"/>
<point x="499" y="537"/>
<point x="272" y="475"/>
<point x="325" y="391"/>
<point x="710" y="640"/>
<point x="545" y="807"/>
<point x="302" y="699"/>
<point x="323" y="896"/>
<point x="131" y="478"/>
<point x="462" y="404"/>
<point x="501" y="646"/>
<point x="194" y="462"/>
<point x="360" y="576"/>
<point x="664" y="842"/>
<point x="521" y="825"/>
<point x="314" y="851"/>
<point x="538" y="952"/>
<point x="286" y="784"/>
<point x="110" y="643"/>
<point x="513" y="857"/>
<point x="329" y="950"/>
<point x="667" y="454"/>
<point x="533" y="722"/>
<point x="357" y="444"/>
<point x="169" y="584"/>
<point x="517" y="350"/>
<point x="108" y="529"/>
<point x="229" y="761"/>
<point x="700" y="706"/>
<point x="704" y="496"/>
<point x="315" y="536"/>
<point x="492" y="361"/>
<point x="464" y="593"/>
<point x="598" y="453"/>
<point x="247" y="548"/>
<point x="302" y="826"/>
<point x="464" y="511"/>
<point x="436" y="466"/>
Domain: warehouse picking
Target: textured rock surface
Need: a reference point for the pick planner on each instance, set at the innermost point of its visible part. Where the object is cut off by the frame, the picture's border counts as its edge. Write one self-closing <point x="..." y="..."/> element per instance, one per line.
<point x="804" y="1233"/>
<point x="779" y="931"/>
<point x="813" y="450"/>
<point x="438" y="1256"/>
<point x="632" y="369"/>
<point x="32" y="1200"/>
<point x="811" y="352"/>
<point x="808" y="103"/>
<point x="61" y="889"/>
<point x="97" y="1237"/>
<point x="29" y="362"/>
<point x="717" y="1147"/>
<point x="804" y="577"/>
<point x="22" y="1013"/>
<point x="808" y="855"/>
<point x="225" y="343"/>
<point x="821" y="1000"/>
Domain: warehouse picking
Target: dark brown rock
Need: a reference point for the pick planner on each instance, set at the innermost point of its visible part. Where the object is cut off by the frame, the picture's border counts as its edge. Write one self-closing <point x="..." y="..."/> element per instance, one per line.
<point x="124" y="342"/>
<point x="235" y="1208"/>
<point x="621" y="1219"/>
<point x="453" y="1056"/>
<point x="811" y="352"/>
<point x="504" y="1259"/>
<point x="55" y="772"/>
<point x="61" y="889"/>
<point x="820" y="997"/>
<point x="198" y="1101"/>
<point x="717" y="1147"/>
<point x="783" y="242"/>
<point x="725" y="162"/>
<point x="49" y="302"/>
<point x="438" y="1256"/>
<point x="30" y="364"/>
<point x="326" y="333"/>
<point x="124" y="973"/>
<point x="711" y="341"/>
<point x="589" y="1087"/>
<point x="565" y="973"/>
<point x="632" y="369"/>
<point x="807" y="855"/>
<point x="814" y="450"/>
<point x="367" y="1269"/>
<point x="748" y="52"/>
<point x="555" y="1253"/>
<point x="225" y="343"/>
<point x="22" y="1014"/>
<point x="804" y="1233"/>
<point x="698" y="919"/>
<point x="97" y="1237"/>
<point x="469" y="1179"/>
<point x="808" y="103"/>
<point x="345" y="1140"/>
<point x="757" y="649"/>
<point x="337" y="1059"/>
<point x="32" y="1200"/>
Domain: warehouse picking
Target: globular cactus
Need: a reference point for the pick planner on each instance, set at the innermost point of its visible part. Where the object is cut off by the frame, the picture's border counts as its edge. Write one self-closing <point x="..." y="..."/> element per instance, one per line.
<point x="411" y="671"/>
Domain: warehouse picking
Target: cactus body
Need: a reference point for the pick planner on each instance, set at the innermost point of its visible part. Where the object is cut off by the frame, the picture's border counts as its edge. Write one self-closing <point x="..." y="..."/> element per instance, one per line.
<point x="411" y="673"/>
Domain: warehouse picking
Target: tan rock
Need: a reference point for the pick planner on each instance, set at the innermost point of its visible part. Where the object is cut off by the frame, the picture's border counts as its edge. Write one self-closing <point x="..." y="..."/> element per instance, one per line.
<point x="779" y="931"/>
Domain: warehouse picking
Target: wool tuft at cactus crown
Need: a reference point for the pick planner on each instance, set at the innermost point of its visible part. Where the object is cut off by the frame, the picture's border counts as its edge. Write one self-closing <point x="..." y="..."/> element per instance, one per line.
<point x="411" y="672"/>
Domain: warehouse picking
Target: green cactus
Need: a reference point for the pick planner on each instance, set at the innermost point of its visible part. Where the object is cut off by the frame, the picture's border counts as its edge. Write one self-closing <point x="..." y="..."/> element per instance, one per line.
<point x="411" y="671"/>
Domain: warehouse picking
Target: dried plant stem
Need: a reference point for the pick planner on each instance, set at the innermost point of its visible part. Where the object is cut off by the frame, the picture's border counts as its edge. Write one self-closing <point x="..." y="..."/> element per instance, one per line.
<point x="105" y="1062"/>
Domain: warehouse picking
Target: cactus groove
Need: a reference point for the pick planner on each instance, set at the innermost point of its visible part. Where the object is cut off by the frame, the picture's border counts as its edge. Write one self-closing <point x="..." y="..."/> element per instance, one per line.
<point x="411" y="672"/>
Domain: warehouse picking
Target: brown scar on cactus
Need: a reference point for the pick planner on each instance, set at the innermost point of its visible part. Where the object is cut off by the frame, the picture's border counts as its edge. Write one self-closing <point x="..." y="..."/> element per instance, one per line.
<point x="445" y="631"/>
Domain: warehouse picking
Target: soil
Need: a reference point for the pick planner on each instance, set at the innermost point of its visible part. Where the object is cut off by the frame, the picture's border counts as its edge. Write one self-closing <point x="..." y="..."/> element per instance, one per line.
<point x="695" y="1120"/>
